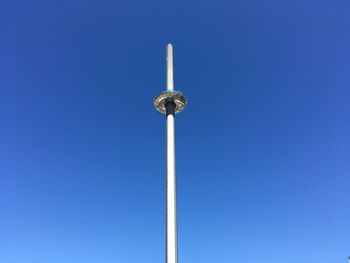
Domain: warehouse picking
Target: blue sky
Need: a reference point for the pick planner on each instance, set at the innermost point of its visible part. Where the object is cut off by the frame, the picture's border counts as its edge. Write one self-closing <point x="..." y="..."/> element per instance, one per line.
<point x="263" y="148"/>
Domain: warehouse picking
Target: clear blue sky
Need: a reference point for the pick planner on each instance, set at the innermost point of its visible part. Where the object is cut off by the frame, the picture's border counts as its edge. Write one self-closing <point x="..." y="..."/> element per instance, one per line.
<point x="263" y="148"/>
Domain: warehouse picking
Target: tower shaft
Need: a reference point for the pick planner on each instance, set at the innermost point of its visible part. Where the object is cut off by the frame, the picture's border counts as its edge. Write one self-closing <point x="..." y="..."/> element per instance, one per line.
<point x="169" y="67"/>
<point x="170" y="102"/>
<point x="171" y="222"/>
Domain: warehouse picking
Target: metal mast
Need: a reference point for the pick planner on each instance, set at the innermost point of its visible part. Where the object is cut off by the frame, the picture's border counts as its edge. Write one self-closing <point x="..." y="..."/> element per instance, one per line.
<point x="170" y="102"/>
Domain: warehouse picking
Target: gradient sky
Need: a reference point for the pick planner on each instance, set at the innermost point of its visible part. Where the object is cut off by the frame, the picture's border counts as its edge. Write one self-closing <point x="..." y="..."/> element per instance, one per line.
<point x="263" y="148"/>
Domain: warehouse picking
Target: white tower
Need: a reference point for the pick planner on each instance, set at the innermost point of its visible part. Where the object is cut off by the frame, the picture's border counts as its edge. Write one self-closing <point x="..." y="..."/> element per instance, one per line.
<point x="170" y="102"/>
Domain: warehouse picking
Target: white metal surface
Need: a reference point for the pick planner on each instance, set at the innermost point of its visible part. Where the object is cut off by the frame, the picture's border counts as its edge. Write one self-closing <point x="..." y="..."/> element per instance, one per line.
<point x="169" y="67"/>
<point x="171" y="224"/>
<point x="170" y="102"/>
<point x="171" y="235"/>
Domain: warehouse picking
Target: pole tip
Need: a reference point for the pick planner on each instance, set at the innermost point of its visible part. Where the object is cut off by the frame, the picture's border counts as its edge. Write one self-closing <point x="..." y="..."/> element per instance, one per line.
<point x="169" y="48"/>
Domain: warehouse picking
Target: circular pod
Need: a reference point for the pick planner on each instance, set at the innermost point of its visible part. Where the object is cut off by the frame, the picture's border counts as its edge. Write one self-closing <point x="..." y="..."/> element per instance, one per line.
<point x="177" y="97"/>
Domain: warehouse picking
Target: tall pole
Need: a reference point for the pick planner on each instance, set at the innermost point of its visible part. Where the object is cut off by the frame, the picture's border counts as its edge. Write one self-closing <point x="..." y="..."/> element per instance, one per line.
<point x="170" y="102"/>
<point x="171" y="235"/>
